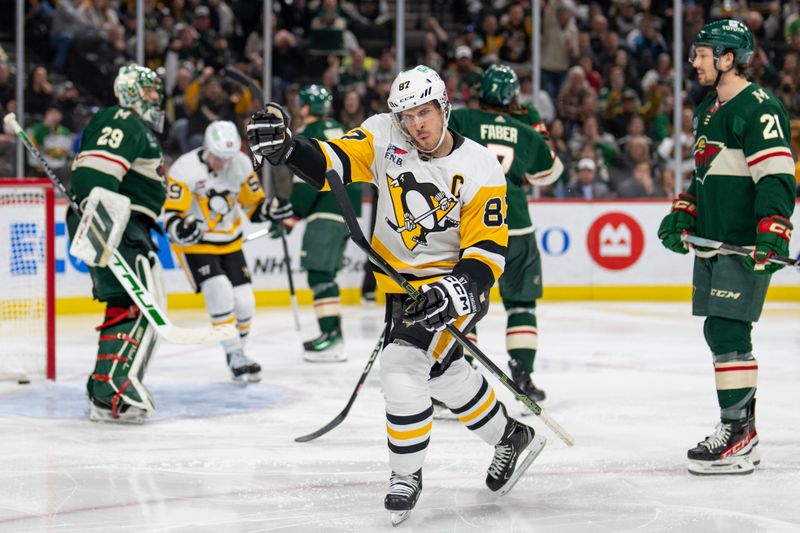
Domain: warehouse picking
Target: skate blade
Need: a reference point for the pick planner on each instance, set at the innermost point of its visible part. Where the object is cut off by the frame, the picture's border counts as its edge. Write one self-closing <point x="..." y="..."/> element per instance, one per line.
<point x="324" y="357"/>
<point x="398" y="517"/>
<point x="733" y="466"/>
<point x="755" y="458"/>
<point x="534" y="449"/>
<point x="133" y="416"/>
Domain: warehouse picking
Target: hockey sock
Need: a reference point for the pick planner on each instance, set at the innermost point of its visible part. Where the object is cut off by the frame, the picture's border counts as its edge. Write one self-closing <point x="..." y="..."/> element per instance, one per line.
<point x="218" y="294"/>
<point x="244" y="304"/>
<point x="522" y="336"/>
<point x="327" y="303"/>
<point x="735" y="368"/>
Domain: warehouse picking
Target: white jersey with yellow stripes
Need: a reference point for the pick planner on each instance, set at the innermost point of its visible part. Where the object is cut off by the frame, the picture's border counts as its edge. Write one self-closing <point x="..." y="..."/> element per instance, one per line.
<point x="218" y="199"/>
<point x="430" y="212"/>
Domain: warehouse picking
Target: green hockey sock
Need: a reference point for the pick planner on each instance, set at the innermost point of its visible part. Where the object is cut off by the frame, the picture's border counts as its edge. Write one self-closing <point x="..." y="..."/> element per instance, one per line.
<point x="735" y="368"/>
<point x="522" y="335"/>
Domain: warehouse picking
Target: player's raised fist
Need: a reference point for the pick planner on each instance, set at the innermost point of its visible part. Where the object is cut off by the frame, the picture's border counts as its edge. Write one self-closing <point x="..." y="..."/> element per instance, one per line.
<point x="268" y="134"/>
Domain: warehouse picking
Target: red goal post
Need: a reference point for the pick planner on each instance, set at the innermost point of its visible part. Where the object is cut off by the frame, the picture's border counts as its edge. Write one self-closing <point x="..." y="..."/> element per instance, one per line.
<point x="27" y="279"/>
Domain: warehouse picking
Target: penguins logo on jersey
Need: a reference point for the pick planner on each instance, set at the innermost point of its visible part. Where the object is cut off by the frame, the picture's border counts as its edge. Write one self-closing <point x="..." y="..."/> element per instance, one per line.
<point x="419" y="209"/>
<point x="705" y="152"/>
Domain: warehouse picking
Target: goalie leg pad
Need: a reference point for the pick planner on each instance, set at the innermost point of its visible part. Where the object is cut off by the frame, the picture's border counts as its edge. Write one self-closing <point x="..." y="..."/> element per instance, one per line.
<point x="125" y="345"/>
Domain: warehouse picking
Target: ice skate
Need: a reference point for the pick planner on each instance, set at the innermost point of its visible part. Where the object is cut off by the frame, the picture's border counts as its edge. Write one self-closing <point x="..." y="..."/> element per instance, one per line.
<point x="327" y="348"/>
<point x="523" y="380"/>
<point x="726" y="451"/>
<point x="403" y="494"/>
<point x="515" y="452"/>
<point x="126" y="414"/>
<point x="244" y="369"/>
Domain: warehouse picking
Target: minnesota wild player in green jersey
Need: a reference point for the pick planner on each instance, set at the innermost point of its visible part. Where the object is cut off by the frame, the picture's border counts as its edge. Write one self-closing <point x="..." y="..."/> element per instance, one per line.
<point x="526" y="159"/>
<point x="119" y="152"/>
<point x="325" y="238"/>
<point x="742" y="193"/>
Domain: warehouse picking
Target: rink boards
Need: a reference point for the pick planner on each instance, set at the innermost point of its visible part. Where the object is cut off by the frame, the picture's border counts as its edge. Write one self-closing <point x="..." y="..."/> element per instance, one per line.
<point x="590" y="251"/>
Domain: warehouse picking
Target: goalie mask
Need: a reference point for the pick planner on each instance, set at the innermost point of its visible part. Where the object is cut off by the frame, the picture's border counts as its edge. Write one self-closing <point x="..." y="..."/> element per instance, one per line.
<point x="412" y="88"/>
<point x="222" y="139"/>
<point x="132" y="89"/>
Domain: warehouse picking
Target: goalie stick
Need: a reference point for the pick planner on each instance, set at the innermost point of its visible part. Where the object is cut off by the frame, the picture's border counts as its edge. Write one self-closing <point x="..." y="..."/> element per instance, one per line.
<point x="337" y="186"/>
<point x="738" y="250"/>
<point x="240" y="77"/>
<point x="127" y="277"/>
<point x="338" y="419"/>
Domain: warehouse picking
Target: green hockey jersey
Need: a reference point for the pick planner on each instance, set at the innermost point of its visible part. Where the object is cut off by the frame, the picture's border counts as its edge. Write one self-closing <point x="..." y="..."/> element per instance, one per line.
<point x="522" y="152"/>
<point x="119" y="152"/>
<point x="744" y="169"/>
<point x="306" y="200"/>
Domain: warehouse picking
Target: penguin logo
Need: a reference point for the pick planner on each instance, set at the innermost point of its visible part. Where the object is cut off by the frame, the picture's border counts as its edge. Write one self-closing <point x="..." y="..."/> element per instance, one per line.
<point x="419" y="209"/>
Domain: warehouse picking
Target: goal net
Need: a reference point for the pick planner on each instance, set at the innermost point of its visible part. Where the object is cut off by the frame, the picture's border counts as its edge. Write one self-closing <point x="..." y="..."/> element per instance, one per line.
<point x="27" y="274"/>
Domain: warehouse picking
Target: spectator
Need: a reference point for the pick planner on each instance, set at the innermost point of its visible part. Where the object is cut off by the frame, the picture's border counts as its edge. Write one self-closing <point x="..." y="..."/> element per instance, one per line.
<point x="7" y="88"/>
<point x="206" y="101"/>
<point x="636" y="151"/>
<point x="593" y="77"/>
<point x="516" y="39"/>
<point x="355" y="75"/>
<point x="559" y="46"/>
<point x="467" y="73"/>
<point x="490" y="39"/>
<point x="66" y="25"/>
<point x="329" y="34"/>
<point x="204" y="43"/>
<point x="430" y="53"/>
<point x="592" y="135"/>
<point x="386" y="64"/>
<point x="640" y="184"/>
<point x="661" y="73"/>
<point x="378" y="94"/>
<point x="54" y="141"/>
<point x="586" y="185"/>
<point x="666" y="185"/>
<point x="608" y="56"/>
<point x="559" y="146"/>
<point x="629" y="109"/>
<point x="75" y="114"/>
<point x="222" y="16"/>
<point x="571" y="94"/>
<point x="788" y="93"/>
<point x="370" y="19"/>
<point x="352" y="113"/>
<point x="39" y="93"/>
<point x="666" y="149"/>
<point x="626" y="20"/>
<point x="646" y="43"/>
<point x="598" y="33"/>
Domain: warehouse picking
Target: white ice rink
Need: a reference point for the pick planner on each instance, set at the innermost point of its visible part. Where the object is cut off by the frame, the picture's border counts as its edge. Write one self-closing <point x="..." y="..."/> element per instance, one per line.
<point x="632" y="382"/>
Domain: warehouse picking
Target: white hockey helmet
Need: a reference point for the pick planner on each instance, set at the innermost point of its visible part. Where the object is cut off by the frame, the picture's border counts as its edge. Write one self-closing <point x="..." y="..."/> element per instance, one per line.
<point x="412" y="88"/>
<point x="222" y="139"/>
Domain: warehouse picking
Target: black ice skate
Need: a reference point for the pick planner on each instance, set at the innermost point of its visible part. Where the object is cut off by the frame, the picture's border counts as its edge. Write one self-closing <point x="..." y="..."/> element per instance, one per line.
<point x="727" y="451"/>
<point x="523" y="380"/>
<point x="327" y="348"/>
<point x="403" y="495"/>
<point x="515" y="452"/>
<point x="243" y="368"/>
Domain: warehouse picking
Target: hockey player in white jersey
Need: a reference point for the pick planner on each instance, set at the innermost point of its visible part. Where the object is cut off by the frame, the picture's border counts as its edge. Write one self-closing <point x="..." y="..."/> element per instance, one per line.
<point x="208" y="190"/>
<point x="441" y="223"/>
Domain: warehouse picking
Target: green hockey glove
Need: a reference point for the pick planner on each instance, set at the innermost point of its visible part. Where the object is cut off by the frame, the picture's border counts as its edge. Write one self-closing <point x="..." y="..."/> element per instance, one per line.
<point x="680" y="220"/>
<point x="772" y="238"/>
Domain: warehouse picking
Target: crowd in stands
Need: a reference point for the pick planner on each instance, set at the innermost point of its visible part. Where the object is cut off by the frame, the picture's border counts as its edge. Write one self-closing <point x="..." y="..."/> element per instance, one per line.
<point x="606" y="70"/>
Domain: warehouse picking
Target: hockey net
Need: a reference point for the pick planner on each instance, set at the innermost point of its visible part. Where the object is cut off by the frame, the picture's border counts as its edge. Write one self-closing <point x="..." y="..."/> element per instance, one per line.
<point x="27" y="279"/>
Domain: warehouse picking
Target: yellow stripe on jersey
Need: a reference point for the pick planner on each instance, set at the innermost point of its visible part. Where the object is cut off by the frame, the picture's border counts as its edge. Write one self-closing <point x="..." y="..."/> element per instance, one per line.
<point x="483" y="219"/>
<point x="179" y="197"/>
<point x="445" y="340"/>
<point x="352" y="157"/>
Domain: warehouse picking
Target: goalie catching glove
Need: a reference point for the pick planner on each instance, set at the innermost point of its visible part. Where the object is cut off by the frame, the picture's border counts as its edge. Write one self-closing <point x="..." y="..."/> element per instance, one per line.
<point x="772" y="238"/>
<point x="184" y="230"/>
<point x="268" y="134"/>
<point x="679" y="221"/>
<point x="443" y="302"/>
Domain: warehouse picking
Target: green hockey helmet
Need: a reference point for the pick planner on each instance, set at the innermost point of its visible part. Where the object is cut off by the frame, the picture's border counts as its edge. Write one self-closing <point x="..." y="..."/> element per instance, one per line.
<point x="726" y="36"/>
<point x="129" y="88"/>
<point x="499" y="86"/>
<point x="318" y="99"/>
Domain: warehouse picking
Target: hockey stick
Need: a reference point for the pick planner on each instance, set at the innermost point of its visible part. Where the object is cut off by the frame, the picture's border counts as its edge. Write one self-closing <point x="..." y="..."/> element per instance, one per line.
<point x="338" y="419"/>
<point x="738" y="250"/>
<point x="337" y="187"/>
<point x="240" y="77"/>
<point x="127" y="277"/>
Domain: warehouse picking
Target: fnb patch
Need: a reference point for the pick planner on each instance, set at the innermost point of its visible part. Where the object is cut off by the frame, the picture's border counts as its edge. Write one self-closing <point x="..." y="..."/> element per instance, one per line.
<point x="395" y="154"/>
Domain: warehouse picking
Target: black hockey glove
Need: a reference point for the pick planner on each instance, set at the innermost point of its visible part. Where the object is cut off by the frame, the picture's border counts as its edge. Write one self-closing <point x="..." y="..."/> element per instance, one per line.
<point x="184" y="230"/>
<point x="268" y="134"/>
<point x="443" y="302"/>
<point x="273" y="210"/>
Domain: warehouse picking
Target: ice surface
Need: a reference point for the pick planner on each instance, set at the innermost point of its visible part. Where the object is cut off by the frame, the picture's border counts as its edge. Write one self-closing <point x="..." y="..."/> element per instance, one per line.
<point x="632" y="382"/>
